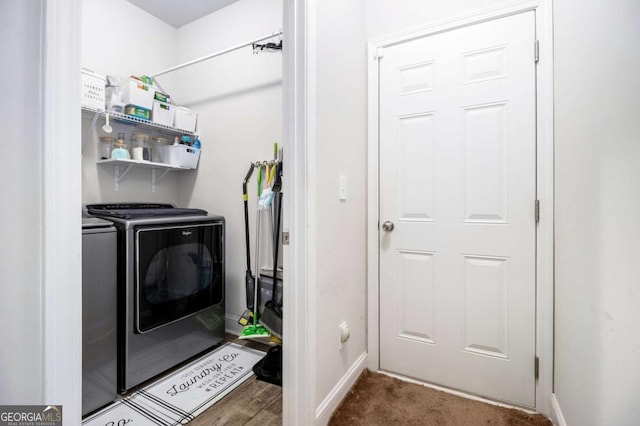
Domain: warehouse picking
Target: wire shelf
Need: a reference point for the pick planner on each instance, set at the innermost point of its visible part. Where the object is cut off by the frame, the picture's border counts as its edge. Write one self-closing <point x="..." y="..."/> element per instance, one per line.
<point x="141" y="164"/>
<point x="138" y="122"/>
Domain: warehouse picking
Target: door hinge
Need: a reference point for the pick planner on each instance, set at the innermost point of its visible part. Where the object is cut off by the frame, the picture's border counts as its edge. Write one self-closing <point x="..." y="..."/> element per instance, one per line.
<point x="379" y="53"/>
<point x="536" y="53"/>
<point x="285" y="238"/>
<point x="536" y="368"/>
<point x="537" y="213"/>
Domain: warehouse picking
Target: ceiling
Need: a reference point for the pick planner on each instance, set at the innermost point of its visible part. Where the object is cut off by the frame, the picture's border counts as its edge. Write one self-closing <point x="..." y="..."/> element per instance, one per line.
<point x="179" y="13"/>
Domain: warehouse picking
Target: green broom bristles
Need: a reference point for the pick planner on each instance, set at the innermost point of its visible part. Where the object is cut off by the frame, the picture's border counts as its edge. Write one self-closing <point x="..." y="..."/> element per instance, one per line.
<point x="252" y="331"/>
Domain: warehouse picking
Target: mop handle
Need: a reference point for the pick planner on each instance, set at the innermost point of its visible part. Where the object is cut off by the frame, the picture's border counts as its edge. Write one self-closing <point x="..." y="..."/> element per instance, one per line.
<point x="245" y="198"/>
<point x="259" y="180"/>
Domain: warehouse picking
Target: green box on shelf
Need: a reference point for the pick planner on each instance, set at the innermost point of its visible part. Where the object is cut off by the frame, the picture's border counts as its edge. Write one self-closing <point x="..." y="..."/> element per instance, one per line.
<point x="161" y="97"/>
<point x="136" y="111"/>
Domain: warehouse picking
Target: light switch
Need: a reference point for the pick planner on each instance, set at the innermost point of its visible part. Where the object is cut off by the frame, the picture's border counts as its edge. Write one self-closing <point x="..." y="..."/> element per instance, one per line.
<point x="342" y="188"/>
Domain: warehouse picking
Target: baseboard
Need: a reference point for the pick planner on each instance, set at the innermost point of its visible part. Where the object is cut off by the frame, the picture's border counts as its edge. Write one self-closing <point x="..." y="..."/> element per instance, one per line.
<point x="337" y="394"/>
<point x="458" y="393"/>
<point x="556" y="413"/>
<point x="231" y="325"/>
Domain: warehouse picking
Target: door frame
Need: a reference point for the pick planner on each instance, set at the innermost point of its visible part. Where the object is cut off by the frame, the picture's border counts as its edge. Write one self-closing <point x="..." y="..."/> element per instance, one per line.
<point x="544" y="178"/>
<point x="61" y="197"/>
<point x="61" y="234"/>
<point x="298" y="366"/>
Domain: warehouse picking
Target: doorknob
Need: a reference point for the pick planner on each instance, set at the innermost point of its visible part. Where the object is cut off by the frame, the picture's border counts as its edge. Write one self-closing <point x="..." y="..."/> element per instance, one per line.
<point x="388" y="226"/>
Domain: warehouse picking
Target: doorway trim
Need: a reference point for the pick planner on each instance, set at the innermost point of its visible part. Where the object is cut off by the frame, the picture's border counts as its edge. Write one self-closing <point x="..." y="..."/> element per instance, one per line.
<point x="298" y="366"/>
<point x="60" y="200"/>
<point x="61" y="196"/>
<point x="544" y="178"/>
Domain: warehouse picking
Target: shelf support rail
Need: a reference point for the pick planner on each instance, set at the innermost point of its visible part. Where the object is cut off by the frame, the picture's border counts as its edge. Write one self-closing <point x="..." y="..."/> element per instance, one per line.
<point x="119" y="176"/>
<point x="155" y="178"/>
<point x="213" y="55"/>
<point x="85" y="137"/>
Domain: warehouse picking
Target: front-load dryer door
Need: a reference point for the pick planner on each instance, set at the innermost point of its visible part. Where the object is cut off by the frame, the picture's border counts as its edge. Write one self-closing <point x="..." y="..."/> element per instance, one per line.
<point x="179" y="272"/>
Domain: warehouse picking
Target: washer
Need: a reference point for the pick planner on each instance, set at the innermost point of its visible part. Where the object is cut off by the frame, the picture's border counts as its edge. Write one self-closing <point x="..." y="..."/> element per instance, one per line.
<point x="99" y="313"/>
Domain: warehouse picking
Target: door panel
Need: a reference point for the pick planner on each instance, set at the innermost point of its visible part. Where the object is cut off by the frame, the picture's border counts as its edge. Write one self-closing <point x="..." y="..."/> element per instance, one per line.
<point x="457" y="178"/>
<point x="486" y="305"/>
<point x="415" y="186"/>
<point x="485" y="164"/>
<point x="415" y="285"/>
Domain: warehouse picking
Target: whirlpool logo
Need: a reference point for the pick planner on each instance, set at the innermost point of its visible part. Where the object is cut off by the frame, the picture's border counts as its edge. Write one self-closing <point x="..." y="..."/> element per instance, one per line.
<point x="186" y="233"/>
<point x="32" y="415"/>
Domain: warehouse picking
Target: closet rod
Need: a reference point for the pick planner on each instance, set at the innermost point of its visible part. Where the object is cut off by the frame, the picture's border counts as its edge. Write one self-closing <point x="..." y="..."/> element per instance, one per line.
<point x="213" y="55"/>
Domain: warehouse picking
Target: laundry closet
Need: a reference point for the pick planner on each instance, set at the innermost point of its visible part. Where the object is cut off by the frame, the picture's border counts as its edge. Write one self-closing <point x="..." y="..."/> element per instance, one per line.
<point x="233" y="100"/>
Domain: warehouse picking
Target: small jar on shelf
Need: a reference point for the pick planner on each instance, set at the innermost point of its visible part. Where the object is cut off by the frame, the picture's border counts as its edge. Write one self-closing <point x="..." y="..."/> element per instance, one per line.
<point x="105" y="147"/>
<point x="120" y="148"/>
<point x="140" y="146"/>
<point x="159" y="149"/>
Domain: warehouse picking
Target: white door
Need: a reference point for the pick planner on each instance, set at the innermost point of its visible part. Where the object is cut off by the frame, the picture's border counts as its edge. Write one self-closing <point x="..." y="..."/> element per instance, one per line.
<point x="457" y="181"/>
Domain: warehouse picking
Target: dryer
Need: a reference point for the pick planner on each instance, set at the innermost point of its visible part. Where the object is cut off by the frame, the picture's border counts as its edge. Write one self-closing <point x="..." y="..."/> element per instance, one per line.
<point x="171" y="282"/>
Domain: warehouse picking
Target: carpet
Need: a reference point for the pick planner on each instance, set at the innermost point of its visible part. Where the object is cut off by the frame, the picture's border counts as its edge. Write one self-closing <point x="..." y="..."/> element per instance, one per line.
<point x="377" y="399"/>
<point x="179" y="397"/>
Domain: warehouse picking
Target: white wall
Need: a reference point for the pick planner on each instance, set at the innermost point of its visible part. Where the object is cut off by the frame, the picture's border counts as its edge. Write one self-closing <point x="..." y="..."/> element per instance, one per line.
<point x="338" y="228"/>
<point x="21" y="333"/>
<point x="121" y="39"/>
<point x="238" y="97"/>
<point x="597" y="174"/>
<point x="390" y="16"/>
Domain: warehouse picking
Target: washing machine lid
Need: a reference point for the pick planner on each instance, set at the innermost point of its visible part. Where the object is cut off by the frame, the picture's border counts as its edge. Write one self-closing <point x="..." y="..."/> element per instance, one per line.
<point x="141" y="210"/>
<point x="94" y="223"/>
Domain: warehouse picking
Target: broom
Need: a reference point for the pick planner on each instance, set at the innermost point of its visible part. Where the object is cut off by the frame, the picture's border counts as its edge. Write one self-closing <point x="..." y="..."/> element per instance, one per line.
<point x="249" y="280"/>
<point x="256" y="330"/>
<point x="272" y="313"/>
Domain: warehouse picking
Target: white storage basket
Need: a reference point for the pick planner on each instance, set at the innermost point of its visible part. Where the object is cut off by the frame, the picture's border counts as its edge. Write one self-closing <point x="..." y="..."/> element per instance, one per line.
<point x="163" y="113"/>
<point x="93" y="89"/>
<point x="136" y="92"/>
<point x="185" y="119"/>
<point x="183" y="156"/>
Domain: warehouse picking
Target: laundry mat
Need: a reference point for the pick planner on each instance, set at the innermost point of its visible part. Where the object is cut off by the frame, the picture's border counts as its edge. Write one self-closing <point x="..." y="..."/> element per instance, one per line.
<point x="181" y="396"/>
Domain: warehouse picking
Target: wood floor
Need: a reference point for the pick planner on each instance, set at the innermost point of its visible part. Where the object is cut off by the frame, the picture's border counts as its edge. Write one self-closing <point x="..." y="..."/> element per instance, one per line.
<point x="252" y="403"/>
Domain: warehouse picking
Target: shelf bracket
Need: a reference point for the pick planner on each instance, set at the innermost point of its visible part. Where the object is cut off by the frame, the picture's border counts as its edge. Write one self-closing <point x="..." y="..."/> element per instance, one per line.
<point x="118" y="177"/>
<point x="85" y="137"/>
<point x="155" y="178"/>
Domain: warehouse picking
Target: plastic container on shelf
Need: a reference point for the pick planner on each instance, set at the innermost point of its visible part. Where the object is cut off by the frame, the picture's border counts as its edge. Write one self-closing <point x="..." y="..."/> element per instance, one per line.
<point x="105" y="147"/>
<point x="136" y="92"/>
<point x="118" y="107"/>
<point x="120" y="149"/>
<point x="185" y="119"/>
<point x="140" y="146"/>
<point x="163" y="113"/>
<point x="137" y="111"/>
<point x="112" y="96"/>
<point x="159" y="148"/>
<point x="183" y="156"/>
